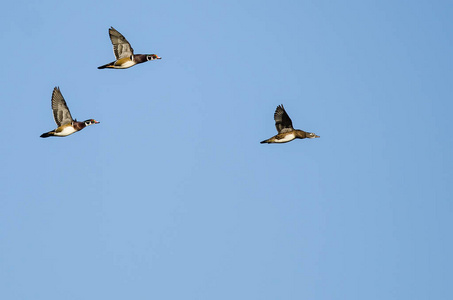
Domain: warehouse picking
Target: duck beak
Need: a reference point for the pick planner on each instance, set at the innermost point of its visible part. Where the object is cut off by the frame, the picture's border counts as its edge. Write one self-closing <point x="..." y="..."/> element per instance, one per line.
<point x="157" y="57"/>
<point x="96" y="122"/>
<point x="317" y="136"/>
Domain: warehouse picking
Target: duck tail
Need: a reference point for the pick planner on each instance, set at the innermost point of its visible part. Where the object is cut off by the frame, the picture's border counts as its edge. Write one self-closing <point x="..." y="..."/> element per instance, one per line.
<point x="106" y="65"/>
<point x="47" y="134"/>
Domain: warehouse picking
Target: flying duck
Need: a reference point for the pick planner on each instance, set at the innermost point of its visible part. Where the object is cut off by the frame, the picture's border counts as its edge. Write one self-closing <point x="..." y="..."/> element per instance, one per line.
<point x="286" y="132"/>
<point x="124" y="54"/>
<point x="62" y="116"/>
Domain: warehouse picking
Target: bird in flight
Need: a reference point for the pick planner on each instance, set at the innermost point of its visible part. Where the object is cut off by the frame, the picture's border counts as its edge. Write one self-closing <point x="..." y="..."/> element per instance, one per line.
<point x="124" y="54"/>
<point x="286" y="132"/>
<point x="66" y="125"/>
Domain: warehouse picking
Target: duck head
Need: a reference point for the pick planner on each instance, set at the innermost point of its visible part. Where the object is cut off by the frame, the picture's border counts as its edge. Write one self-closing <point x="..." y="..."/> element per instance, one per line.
<point x="152" y="57"/>
<point x="311" y="135"/>
<point x="90" y="122"/>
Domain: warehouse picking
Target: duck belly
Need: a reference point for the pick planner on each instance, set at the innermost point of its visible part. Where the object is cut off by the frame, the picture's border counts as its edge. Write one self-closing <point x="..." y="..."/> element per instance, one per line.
<point x="287" y="138"/>
<point x="124" y="63"/>
<point x="66" y="131"/>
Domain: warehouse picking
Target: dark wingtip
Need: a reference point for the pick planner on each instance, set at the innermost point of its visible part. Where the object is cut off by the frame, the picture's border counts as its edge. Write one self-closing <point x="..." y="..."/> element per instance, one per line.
<point x="263" y="142"/>
<point x="44" y="135"/>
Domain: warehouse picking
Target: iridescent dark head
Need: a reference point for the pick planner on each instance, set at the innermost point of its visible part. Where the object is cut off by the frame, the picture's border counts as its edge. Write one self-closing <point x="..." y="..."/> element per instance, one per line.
<point x="90" y="122"/>
<point x="152" y="57"/>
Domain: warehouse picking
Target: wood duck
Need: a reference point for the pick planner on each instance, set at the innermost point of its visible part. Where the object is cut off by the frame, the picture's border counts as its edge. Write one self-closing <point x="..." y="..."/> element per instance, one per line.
<point x="62" y="116"/>
<point x="124" y="53"/>
<point x="286" y="132"/>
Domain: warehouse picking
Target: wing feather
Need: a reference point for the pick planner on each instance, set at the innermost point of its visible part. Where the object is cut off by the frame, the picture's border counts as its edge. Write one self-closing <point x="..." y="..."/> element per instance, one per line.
<point x="121" y="46"/>
<point x="60" y="109"/>
<point x="282" y="121"/>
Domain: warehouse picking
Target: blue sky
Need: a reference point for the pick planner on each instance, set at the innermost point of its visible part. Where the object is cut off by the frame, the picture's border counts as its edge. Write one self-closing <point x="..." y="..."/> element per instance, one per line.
<point x="171" y="196"/>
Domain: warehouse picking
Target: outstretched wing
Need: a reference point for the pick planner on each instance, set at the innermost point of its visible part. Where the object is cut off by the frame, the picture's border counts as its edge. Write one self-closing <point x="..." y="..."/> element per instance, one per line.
<point x="61" y="112"/>
<point x="121" y="46"/>
<point x="282" y="121"/>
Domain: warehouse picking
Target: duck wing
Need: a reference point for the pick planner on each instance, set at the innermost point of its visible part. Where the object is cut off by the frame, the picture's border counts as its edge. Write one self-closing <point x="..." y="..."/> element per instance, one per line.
<point x="121" y="46"/>
<point x="282" y="121"/>
<point x="60" y="109"/>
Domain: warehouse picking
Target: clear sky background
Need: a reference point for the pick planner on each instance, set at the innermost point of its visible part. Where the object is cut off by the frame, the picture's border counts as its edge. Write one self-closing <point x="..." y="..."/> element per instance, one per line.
<point x="172" y="196"/>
